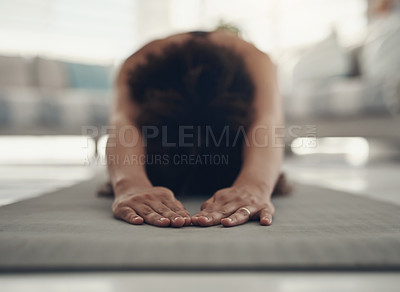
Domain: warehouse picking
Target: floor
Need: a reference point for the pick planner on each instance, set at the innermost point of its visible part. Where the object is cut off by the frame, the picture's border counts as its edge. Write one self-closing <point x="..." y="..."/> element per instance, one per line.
<point x="377" y="179"/>
<point x="202" y="282"/>
<point x="20" y="182"/>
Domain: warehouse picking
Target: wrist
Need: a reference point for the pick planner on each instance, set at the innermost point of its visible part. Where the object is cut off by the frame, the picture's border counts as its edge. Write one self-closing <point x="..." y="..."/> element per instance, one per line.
<point x="253" y="183"/>
<point x="124" y="184"/>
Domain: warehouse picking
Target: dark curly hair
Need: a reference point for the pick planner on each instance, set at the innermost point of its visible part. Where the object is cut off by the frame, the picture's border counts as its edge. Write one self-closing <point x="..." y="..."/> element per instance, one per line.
<point x="194" y="83"/>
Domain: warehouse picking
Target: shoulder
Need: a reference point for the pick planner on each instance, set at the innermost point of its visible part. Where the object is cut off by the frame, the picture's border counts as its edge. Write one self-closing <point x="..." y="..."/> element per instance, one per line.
<point x="252" y="56"/>
<point x="228" y="39"/>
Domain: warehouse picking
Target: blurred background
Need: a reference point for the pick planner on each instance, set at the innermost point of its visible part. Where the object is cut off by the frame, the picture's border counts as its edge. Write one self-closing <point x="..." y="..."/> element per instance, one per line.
<point x="339" y="71"/>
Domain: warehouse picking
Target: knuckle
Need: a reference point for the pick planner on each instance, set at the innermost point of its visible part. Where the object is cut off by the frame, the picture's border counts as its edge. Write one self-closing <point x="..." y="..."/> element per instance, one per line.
<point x="134" y="199"/>
<point x="252" y="201"/>
<point x="246" y="192"/>
<point x="147" y="211"/>
<point x="176" y="209"/>
<point x="223" y="196"/>
<point x="182" y="213"/>
<point x="164" y="196"/>
<point x="224" y="212"/>
<point x="169" y="197"/>
<point x="125" y="214"/>
<point x="122" y="213"/>
<point x="212" y="217"/>
<point x="163" y="191"/>
<point x="147" y="197"/>
<point x="234" y="217"/>
<point x="162" y="210"/>
<point x="117" y="206"/>
<point x="201" y="213"/>
<point x="237" y="199"/>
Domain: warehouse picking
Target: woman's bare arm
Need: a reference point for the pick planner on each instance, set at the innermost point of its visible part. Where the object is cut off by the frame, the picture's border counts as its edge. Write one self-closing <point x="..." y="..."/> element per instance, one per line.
<point x="123" y="132"/>
<point x="136" y="200"/>
<point x="262" y="153"/>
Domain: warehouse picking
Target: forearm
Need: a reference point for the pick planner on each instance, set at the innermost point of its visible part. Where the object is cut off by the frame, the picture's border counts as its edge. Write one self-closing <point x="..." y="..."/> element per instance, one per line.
<point x="124" y="153"/>
<point x="263" y="153"/>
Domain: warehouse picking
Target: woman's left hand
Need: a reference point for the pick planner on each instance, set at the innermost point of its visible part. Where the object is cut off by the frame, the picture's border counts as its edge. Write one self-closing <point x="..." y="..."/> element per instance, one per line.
<point x="236" y="205"/>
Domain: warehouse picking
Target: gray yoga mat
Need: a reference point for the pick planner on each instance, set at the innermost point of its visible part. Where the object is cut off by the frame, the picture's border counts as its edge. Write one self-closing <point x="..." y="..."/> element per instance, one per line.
<point x="314" y="228"/>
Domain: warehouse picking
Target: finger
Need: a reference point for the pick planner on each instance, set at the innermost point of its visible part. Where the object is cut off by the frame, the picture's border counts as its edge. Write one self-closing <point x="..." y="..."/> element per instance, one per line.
<point x="179" y="209"/>
<point x="150" y="216"/>
<point x="239" y="217"/>
<point x="208" y="203"/>
<point x="129" y="215"/>
<point x="266" y="217"/>
<point x="213" y="216"/>
<point x="203" y="218"/>
<point x="176" y="220"/>
<point x="195" y="219"/>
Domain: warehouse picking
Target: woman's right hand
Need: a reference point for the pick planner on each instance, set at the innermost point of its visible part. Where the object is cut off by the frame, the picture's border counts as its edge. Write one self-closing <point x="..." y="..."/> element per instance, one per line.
<point x="153" y="205"/>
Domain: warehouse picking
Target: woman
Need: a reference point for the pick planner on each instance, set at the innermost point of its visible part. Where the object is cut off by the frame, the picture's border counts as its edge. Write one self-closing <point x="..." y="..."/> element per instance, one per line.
<point x="197" y="112"/>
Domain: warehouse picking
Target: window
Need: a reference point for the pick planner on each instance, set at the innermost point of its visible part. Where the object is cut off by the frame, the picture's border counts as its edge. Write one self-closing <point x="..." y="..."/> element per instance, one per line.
<point x="104" y="30"/>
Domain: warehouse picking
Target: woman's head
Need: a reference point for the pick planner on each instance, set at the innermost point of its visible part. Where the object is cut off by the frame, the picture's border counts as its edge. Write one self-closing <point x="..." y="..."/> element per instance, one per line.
<point x="196" y="83"/>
